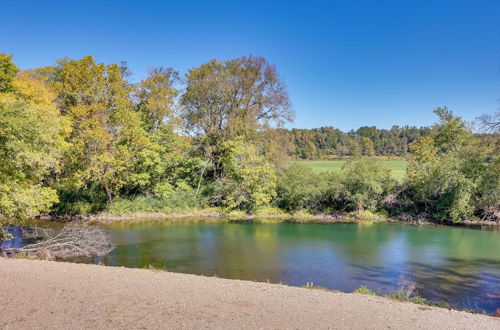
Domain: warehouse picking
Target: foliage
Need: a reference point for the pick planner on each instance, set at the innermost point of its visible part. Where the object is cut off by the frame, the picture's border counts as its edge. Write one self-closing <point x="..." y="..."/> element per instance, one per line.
<point x="452" y="175"/>
<point x="364" y="290"/>
<point x="299" y="188"/>
<point x="358" y="186"/>
<point x="29" y="153"/>
<point x="177" y="201"/>
<point x="80" y="138"/>
<point x="365" y="184"/>
<point x="8" y="71"/>
<point x="249" y="180"/>
<point x="229" y="100"/>
<point x="328" y="142"/>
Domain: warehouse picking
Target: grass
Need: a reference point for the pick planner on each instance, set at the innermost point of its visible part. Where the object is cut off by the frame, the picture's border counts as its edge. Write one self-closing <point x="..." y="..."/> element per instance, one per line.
<point x="398" y="167"/>
<point x="404" y="295"/>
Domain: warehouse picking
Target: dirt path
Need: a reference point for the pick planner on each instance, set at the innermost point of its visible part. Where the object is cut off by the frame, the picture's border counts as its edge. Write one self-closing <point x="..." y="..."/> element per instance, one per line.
<point x="49" y="295"/>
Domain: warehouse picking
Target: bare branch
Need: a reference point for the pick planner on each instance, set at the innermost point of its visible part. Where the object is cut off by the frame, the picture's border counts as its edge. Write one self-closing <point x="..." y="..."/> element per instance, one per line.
<point x="73" y="241"/>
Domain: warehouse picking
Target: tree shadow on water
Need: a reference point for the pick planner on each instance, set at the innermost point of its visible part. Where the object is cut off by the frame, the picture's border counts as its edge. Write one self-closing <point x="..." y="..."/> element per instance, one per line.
<point x="473" y="284"/>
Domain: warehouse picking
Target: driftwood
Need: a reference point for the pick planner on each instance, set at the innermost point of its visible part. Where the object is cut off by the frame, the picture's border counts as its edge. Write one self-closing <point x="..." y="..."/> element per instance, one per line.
<point x="73" y="241"/>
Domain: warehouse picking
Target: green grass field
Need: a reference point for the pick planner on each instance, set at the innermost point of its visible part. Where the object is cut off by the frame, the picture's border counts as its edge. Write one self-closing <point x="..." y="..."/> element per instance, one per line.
<point x="398" y="167"/>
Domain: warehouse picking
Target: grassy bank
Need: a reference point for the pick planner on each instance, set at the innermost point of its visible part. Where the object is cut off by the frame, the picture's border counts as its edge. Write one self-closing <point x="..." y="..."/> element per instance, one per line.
<point x="267" y="214"/>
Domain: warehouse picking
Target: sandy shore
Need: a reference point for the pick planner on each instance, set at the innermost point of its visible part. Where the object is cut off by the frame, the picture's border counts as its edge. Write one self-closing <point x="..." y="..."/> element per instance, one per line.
<point x="52" y="295"/>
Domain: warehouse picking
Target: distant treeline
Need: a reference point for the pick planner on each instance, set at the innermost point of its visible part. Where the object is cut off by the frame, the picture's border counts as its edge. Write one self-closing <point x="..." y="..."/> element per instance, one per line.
<point x="328" y="142"/>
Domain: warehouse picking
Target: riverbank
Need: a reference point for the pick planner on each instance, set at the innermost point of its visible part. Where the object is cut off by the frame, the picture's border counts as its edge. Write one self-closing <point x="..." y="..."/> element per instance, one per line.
<point x="106" y="218"/>
<point x="47" y="295"/>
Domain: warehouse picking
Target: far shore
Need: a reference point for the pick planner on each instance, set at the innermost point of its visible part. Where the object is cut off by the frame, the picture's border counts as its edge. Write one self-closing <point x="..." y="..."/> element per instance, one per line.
<point x="106" y="218"/>
<point x="49" y="295"/>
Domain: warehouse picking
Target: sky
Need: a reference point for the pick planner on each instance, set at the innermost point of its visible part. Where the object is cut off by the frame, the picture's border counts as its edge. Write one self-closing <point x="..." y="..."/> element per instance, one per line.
<point x="346" y="63"/>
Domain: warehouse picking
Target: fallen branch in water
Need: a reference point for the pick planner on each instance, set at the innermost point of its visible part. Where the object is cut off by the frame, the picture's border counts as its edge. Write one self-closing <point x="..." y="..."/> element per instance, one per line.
<point x="73" y="241"/>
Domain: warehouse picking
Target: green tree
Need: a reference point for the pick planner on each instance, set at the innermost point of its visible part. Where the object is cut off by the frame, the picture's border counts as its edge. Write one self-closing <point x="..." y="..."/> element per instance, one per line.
<point x="156" y="98"/>
<point x="451" y="132"/>
<point x="8" y="70"/>
<point x="249" y="181"/>
<point x="32" y="139"/>
<point x="367" y="147"/>
<point x="453" y="174"/>
<point x="229" y="99"/>
<point x="106" y="132"/>
<point x="364" y="185"/>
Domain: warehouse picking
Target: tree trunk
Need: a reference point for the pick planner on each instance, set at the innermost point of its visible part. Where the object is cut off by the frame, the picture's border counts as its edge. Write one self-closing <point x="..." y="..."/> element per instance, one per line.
<point x="108" y="193"/>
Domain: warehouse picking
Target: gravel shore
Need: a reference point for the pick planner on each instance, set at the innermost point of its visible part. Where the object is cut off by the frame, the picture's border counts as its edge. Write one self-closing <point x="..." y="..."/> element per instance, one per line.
<point x="56" y="295"/>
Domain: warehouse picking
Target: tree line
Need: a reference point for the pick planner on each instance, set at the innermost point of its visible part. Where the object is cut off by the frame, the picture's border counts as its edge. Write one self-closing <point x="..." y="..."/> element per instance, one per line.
<point x="367" y="141"/>
<point x="80" y="137"/>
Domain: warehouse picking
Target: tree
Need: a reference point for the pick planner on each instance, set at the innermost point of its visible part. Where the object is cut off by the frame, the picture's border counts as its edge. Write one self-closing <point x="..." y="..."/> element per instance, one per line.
<point x="354" y="149"/>
<point x="156" y="97"/>
<point x="453" y="175"/>
<point x="367" y="147"/>
<point x="106" y="132"/>
<point x="451" y="132"/>
<point x="32" y="140"/>
<point x="299" y="188"/>
<point x="73" y="241"/>
<point x="490" y="123"/>
<point x="8" y="70"/>
<point x="163" y="164"/>
<point x="228" y="99"/>
<point x="249" y="180"/>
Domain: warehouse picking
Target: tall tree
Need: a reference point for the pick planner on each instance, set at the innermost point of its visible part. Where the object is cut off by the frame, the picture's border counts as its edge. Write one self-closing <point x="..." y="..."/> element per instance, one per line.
<point x="32" y="140"/>
<point x="229" y="99"/>
<point x="156" y="97"/>
<point x="106" y="132"/>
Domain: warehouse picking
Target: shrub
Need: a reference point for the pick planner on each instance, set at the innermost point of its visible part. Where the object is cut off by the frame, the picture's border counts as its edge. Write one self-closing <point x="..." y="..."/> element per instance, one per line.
<point x="81" y="201"/>
<point x="360" y="186"/>
<point x="299" y="188"/>
<point x="178" y="201"/>
<point x="248" y="180"/>
<point x="455" y="185"/>
<point x="364" y="290"/>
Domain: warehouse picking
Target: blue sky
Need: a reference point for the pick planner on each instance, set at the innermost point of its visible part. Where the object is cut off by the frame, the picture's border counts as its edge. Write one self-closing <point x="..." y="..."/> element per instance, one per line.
<point x="346" y="63"/>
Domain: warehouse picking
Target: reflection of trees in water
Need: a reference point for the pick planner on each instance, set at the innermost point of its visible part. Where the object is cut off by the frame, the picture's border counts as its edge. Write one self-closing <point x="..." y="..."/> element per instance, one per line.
<point x="469" y="283"/>
<point x="466" y="283"/>
<point x="244" y="251"/>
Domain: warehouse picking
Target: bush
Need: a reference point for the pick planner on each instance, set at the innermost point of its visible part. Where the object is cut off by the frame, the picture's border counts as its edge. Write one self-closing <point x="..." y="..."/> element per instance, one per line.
<point x="364" y="185"/>
<point x="299" y="188"/>
<point x="360" y="186"/>
<point x="457" y="185"/>
<point x="364" y="290"/>
<point x="80" y="202"/>
<point x="178" y="201"/>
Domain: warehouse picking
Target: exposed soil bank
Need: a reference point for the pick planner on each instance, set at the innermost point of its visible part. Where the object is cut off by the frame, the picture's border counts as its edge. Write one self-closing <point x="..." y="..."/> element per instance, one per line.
<point x="48" y="295"/>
